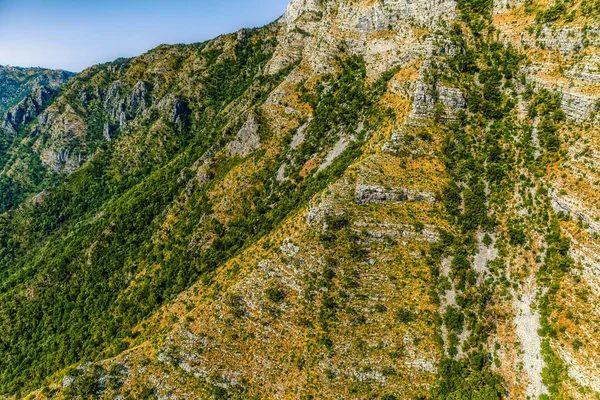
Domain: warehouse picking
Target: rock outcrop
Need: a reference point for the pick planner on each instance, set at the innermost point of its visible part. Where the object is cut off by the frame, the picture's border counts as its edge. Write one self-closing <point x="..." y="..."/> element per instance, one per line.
<point x="32" y="96"/>
<point x="247" y="139"/>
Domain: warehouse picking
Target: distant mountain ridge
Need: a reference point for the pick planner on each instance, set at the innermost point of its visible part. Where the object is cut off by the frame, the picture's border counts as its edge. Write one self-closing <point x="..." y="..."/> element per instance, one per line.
<point x="18" y="82"/>
<point x="24" y="94"/>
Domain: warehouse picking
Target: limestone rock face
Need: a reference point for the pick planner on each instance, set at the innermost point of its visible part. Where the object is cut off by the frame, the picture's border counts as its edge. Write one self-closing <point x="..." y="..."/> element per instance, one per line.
<point x="16" y="83"/>
<point x="59" y="130"/>
<point x="37" y="94"/>
<point x="575" y="209"/>
<point x="565" y="58"/>
<point x="427" y="97"/>
<point x="376" y="194"/>
<point x="568" y="41"/>
<point x="26" y="111"/>
<point x="372" y="16"/>
<point x="298" y="8"/>
<point x="578" y="106"/>
<point x="173" y="109"/>
<point x="379" y="16"/>
<point x="112" y="99"/>
<point x="247" y="139"/>
<point x="380" y="31"/>
<point x="139" y="98"/>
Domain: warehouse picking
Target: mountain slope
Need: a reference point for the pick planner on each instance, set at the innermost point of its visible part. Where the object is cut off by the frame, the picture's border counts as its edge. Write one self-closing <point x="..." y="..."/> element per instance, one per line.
<point x="361" y="200"/>
<point x="24" y="94"/>
<point x="16" y="83"/>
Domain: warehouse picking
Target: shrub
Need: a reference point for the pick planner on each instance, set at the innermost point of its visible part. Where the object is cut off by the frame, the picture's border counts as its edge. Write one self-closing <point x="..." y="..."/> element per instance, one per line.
<point x="275" y="293"/>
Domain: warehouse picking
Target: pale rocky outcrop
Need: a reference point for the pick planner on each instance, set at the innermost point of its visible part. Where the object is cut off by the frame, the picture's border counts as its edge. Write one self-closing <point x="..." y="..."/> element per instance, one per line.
<point x="377" y="194"/>
<point x="485" y="255"/>
<point x="426" y="97"/>
<point x="340" y="146"/>
<point x="501" y="6"/>
<point x="586" y="69"/>
<point x="26" y="111"/>
<point x="17" y="84"/>
<point x="565" y="40"/>
<point x="247" y="139"/>
<point x="173" y="109"/>
<point x="578" y="106"/>
<point x="139" y="97"/>
<point x="113" y="104"/>
<point x="316" y="30"/>
<point x="527" y="323"/>
<point x="298" y="137"/>
<point x="573" y="209"/>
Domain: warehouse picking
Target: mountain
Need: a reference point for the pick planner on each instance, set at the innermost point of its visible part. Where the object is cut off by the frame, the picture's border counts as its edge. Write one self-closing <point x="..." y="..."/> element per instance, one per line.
<point x="24" y="94"/>
<point x="16" y="83"/>
<point x="363" y="199"/>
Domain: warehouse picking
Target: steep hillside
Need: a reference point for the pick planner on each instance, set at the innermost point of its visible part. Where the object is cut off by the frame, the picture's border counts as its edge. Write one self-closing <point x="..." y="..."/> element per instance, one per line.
<point x="24" y="94"/>
<point x="16" y="83"/>
<point x="364" y="199"/>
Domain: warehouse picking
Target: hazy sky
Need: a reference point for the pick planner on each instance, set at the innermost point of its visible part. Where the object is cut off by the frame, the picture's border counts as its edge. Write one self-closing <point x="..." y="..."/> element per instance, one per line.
<point x="75" y="34"/>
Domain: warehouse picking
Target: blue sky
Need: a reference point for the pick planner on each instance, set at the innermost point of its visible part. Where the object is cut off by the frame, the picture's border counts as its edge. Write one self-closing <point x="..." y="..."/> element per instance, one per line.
<point x="75" y="34"/>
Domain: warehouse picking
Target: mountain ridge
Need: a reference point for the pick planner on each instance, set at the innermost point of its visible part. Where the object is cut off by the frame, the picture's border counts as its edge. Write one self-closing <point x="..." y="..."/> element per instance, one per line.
<point x="361" y="200"/>
<point x="18" y="82"/>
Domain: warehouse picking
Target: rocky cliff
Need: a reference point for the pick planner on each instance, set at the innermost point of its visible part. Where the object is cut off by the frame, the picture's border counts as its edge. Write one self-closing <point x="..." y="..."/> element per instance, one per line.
<point x="364" y="199"/>
<point x="16" y="84"/>
<point x="24" y="94"/>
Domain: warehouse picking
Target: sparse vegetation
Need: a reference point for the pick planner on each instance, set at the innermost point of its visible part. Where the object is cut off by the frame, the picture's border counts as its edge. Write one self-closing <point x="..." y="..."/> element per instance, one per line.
<point x="348" y="233"/>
